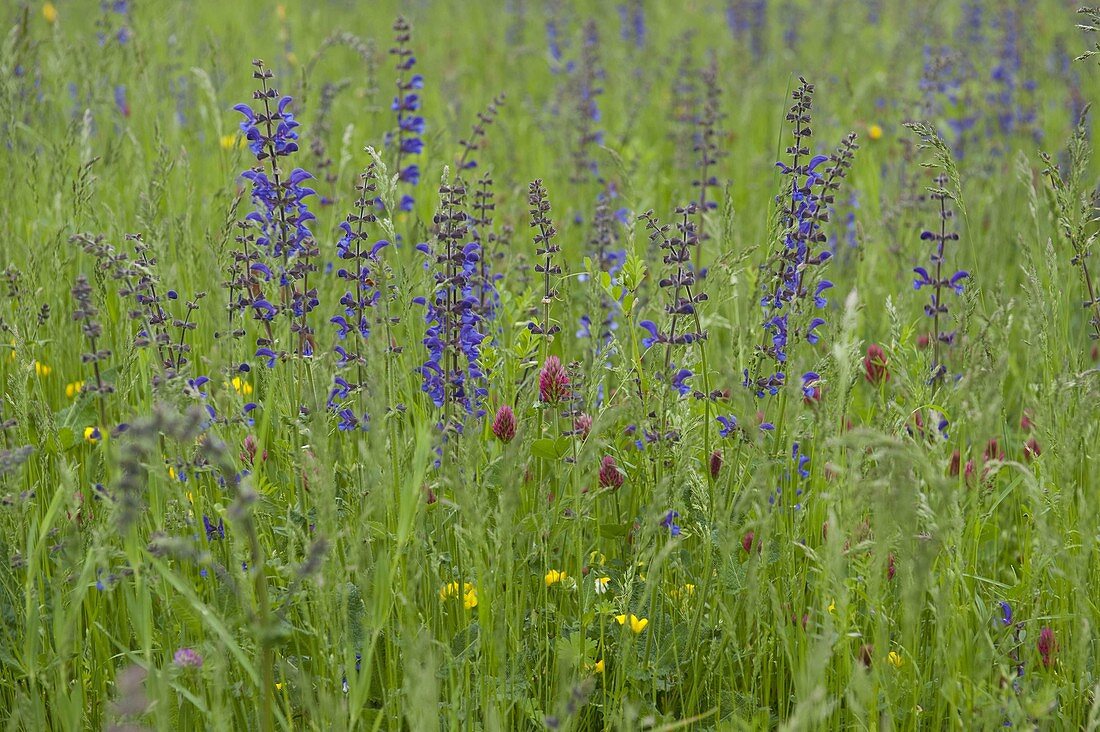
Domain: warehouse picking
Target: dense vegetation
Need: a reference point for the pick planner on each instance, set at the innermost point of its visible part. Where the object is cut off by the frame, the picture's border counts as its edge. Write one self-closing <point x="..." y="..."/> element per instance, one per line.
<point x="557" y="365"/>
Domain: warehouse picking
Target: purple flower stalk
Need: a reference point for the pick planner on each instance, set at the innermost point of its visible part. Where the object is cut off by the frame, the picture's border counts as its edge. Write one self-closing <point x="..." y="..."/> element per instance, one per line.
<point x="937" y="280"/>
<point x="407" y="139"/>
<point x="281" y="219"/>
<point x="794" y="284"/>
<point x="452" y="374"/>
<point x="353" y="323"/>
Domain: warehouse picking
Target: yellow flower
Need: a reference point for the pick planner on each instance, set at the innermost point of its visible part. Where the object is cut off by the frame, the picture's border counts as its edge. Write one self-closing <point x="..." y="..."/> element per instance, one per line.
<point x="832" y="606"/>
<point x="637" y="625"/>
<point x="49" y="12"/>
<point x="171" y="472"/>
<point x="73" y="389"/>
<point x="469" y="593"/>
<point x="241" y="386"/>
<point x="599" y="666"/>
<point x="228" y="142"/>
<point x="278" y="686"/>
<point x="682" y="593"/>
<point x="91" y="434"/>
<point x="42" y="369"/>
<point x="554" y="576"/>
<point x="895" y="660"/>
<point x="874" y="132"/>
<point x="190" y="498"/>
<point x="601" y="584"/>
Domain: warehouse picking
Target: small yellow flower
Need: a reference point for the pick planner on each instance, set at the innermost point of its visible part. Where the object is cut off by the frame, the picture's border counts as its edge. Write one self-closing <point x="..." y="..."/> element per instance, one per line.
<point x="190" y="498"/>
<point x="601" y="584"/>
<point x="278" y="686"/>
<point x="171" y="472"/>
<point x="682" y="593"/>
<point x="894" y="659"/>
<point x="469" y="593"/>
<point x="49" y="12"/>
<point x="637" y="625"/>
<point x="874" y="132"/>
<point x="228" y="142"/>
<point x="832" y="606"/>
<point x="241" y="386"/>
<point x="91" y="434"/>
<point x="72" y="390"/>
<point x="554" y="576"/>
<point x="42" y="369"/>
<point x="599" y="666"/>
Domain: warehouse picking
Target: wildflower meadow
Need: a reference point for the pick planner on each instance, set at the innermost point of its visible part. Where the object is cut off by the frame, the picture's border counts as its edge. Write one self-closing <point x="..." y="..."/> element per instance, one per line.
<point x="549" y="364"/>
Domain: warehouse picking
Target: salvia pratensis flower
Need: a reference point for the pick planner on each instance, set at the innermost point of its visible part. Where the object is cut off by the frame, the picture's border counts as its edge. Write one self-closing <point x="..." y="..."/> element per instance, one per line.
<point x="281" y="218"/>
<point x="681" y="294"/>
<point x="586" y="88"/>
<point x="936" y="279"/>
<point x="669" y="522"/>
<point x="793" y="283"/>
<point x="546" y="248"/>
<point x="453" y="374"/>
<point x="407" y="139"/>
<point x="476" y="139"/>
<point x="356" y="253"/>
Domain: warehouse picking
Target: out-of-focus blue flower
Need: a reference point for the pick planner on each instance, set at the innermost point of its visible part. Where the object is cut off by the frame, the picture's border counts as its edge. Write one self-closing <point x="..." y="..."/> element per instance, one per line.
<point x="669" y="522"/>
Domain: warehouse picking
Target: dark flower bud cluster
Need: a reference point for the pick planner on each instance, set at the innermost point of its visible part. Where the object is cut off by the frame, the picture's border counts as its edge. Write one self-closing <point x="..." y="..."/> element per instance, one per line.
<point x="683" y="325"/>
<point x="482" y="232"/>
<point x="608" y="256"/>
<point x="804" y="206"/>
<point x="87" y="315"/>
<point x="539" y="207"/>
<point x="476" y="140"/>
<point x="585" y="92"/>
<point x="407" y="139"/>
<point x="453" y="374"/>
<point x="706" y="142"/>
<point x="936" y="279"/>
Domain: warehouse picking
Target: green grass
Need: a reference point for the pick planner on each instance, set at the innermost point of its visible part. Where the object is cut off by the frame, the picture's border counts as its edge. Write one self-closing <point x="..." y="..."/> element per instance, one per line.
<point x="338" y="597"/>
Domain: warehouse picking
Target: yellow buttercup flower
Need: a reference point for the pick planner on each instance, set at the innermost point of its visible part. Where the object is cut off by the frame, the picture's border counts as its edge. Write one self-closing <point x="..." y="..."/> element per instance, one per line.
<point x="874" y="132"/>
<point x="91" y="434"/>
<point x="73" y="389"/>
<point x="171" y="472"/>
<point x="469" y="593"/>
<point x="278" y="686"/>
<point x="895" y="659"/>
<point x="49" y="12"/>
<point x="241" y="386"/>
<point x="601" y="584"/>
<point x="599" y="667"/>
<point x="42" y="369"/>
<point x="228" y="142"/>
<point x="554" y="576"/>
<point x="637" y="625"/>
